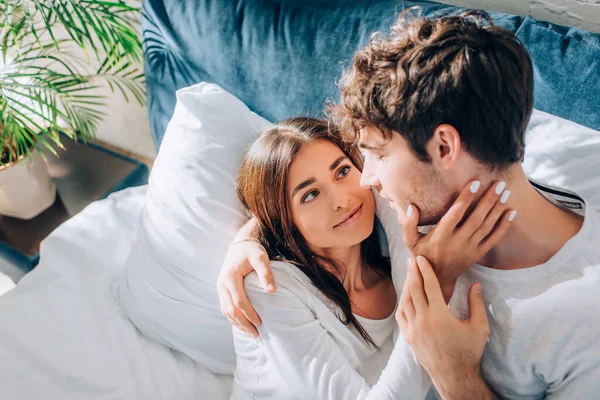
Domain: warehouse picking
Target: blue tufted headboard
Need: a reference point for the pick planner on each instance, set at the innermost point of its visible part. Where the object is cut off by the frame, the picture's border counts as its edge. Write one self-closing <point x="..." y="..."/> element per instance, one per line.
<point x="283" y="57"/>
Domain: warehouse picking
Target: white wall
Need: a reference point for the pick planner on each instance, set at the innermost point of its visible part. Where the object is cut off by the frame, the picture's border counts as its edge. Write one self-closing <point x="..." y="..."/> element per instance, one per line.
<point x="127" y="124"/>
<point x="583" y="14"/>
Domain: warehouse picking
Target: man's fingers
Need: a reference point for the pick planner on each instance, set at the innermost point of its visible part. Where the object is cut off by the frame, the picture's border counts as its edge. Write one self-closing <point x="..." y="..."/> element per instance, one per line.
<point x="409" y="224"/>
<point x="262" y="266"/>
<point x="238" y="319"/>
<point x="495" y="198"/>
<point x="457" y="211"/>
<point x="415" y="284"/>
<point x="241" y="302"/>
<point x="430" y="282"/>
<point x="477" y="315"/>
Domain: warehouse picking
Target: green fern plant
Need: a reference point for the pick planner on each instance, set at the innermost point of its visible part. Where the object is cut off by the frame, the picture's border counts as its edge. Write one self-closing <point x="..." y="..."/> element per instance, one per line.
<point x="54" y="55"/>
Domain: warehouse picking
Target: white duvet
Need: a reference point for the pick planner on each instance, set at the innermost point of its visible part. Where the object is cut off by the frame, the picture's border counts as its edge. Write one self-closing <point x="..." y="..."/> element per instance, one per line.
<point x="62" y="334"/>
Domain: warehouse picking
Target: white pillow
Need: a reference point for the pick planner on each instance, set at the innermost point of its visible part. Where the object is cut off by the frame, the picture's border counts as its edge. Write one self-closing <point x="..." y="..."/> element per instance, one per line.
<point x="191" y="214"/>
<point x="564" y="154"/>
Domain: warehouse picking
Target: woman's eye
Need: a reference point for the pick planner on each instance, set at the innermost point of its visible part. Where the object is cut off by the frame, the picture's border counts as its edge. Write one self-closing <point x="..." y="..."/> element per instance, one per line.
<point x="344" y="171"/>
<point x="310" y="196"/>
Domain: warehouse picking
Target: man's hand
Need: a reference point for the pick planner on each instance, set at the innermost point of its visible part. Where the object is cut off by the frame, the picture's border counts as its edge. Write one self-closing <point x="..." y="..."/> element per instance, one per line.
<point x="449" y="349"/>
<point x="456" y="242"/>
<point x="243" y="257"/>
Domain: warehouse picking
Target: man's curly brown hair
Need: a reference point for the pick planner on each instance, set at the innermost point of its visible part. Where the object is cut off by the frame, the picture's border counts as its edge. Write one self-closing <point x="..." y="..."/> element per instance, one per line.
<point x="460" y="70"/>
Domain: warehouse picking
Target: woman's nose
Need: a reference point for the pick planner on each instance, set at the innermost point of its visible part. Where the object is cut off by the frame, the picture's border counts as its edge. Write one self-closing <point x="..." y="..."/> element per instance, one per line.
<point x="340" y="198"/>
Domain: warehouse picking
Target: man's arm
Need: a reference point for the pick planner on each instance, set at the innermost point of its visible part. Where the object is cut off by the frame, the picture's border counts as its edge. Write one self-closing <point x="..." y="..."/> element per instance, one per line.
<point x="449" y="349"/>
<point x="245" y="255"/>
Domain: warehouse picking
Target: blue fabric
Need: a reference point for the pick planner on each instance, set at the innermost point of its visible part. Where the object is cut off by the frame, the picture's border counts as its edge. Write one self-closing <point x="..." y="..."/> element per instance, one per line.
<point x="566" y="64"/>
<point x="281" y="57"/>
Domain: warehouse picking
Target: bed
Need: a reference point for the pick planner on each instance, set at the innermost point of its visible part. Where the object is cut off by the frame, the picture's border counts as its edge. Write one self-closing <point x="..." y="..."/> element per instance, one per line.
<point x="63" y="335"/>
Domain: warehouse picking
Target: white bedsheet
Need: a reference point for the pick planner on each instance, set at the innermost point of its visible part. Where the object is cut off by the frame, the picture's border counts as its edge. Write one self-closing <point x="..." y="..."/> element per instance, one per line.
<point x="62" y="334"/>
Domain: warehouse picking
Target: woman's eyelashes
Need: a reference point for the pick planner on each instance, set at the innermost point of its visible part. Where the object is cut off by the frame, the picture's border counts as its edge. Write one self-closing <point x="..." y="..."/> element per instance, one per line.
<point x="341" y="173"/>
<point x="344" y="171"/>
<point x="310" y="196"/>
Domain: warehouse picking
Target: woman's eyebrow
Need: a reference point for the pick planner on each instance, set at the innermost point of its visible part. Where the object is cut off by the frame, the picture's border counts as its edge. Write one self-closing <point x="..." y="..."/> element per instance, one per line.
<point x="337" y="162"/>
<point x="304" y="184"/>
<point x="310" y="181"/>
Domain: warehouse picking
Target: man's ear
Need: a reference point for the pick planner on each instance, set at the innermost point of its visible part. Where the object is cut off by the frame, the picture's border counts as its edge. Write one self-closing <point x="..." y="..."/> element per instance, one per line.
<point x="445" y="146"/>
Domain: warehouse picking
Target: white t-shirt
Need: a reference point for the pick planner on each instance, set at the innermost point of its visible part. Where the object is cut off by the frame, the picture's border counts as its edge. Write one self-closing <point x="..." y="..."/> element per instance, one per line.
<point x="544" y="320"/>
<point x="304" y="351"/>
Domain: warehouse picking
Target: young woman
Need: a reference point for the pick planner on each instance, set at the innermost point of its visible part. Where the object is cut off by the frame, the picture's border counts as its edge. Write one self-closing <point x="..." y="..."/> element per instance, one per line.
<point x="329" y="331"/>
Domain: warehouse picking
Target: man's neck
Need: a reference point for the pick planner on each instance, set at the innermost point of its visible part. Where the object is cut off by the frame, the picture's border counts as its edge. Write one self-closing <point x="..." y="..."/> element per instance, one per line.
<point x="538" y="232"/>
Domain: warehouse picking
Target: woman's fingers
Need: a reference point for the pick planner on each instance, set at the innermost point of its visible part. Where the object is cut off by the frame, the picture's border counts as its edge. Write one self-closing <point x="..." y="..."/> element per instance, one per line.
<point x="409" y="223"/>
<point x="415" y="285"/>
<point x="492" y="219"/>
<point x="430" y="282"/>
<point x="501" y="228"/>
<point x="457" y="211"/>
<point x="406" y="303"/>
<point x="494" y="198"/>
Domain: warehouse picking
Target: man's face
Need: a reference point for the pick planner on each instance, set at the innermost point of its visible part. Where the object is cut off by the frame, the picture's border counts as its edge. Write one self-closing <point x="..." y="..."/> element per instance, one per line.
<point x="394" y="170"/>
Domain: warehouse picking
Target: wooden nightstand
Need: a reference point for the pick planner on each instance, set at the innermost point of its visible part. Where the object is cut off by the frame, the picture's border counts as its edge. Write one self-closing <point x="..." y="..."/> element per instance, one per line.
<point x="84" y="173"/>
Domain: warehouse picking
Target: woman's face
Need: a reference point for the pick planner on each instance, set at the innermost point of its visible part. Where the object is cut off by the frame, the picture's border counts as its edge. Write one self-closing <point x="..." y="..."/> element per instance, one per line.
<point x="327" y="203"/>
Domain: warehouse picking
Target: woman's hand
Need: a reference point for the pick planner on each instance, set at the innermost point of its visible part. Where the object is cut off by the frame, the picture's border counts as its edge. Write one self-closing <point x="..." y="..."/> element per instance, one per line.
<point x="448" y="348"/>
<point x="243" y="257"/>
<point x="458" y="241"/>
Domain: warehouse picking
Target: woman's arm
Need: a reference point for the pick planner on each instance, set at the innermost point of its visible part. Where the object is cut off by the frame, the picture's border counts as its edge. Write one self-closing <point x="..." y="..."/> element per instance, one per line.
<point x="311" y="363"/>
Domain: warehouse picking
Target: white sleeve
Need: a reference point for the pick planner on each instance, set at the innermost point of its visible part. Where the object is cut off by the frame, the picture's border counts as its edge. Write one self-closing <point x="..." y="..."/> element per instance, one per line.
<point x="311" y="363"/>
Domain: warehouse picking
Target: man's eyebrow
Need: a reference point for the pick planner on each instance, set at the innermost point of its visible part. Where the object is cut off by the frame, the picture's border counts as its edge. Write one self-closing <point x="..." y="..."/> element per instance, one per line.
<point x="337" y="162"/>
<point x="368" y="147"/>
<point x="304" y="184"/>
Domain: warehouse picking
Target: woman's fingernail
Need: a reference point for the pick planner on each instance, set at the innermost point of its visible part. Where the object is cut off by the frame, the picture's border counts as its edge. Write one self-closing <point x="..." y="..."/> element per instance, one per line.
<point x="420" y="260"/>
<point x="504" y="197"/>
<point x="500" y="187"/>
<point x="409" y="211"/>
<point x="512" y="215"/>
<point x="408" y="262"/>
<point x="474" y="186"/>
<point x="477" y="287"/>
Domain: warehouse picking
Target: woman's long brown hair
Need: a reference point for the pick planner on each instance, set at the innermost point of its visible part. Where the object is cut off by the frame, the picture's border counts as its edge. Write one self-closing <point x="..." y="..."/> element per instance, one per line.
<point x="261" y="186"/>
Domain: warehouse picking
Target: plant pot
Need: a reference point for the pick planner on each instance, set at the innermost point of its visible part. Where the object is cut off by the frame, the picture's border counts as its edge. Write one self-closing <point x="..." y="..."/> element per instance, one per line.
<point x="26" y="188"/>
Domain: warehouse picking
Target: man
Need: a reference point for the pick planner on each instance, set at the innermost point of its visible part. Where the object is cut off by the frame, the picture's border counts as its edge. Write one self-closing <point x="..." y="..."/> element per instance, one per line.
<point x="434" y="105"/>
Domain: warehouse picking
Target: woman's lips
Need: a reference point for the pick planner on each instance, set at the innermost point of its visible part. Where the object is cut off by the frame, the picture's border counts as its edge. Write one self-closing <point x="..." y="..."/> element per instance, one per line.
<point x="352" y="218"/>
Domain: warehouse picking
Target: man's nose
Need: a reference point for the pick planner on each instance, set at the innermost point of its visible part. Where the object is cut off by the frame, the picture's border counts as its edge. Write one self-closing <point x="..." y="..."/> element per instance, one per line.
<point x="368" y="179"/>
